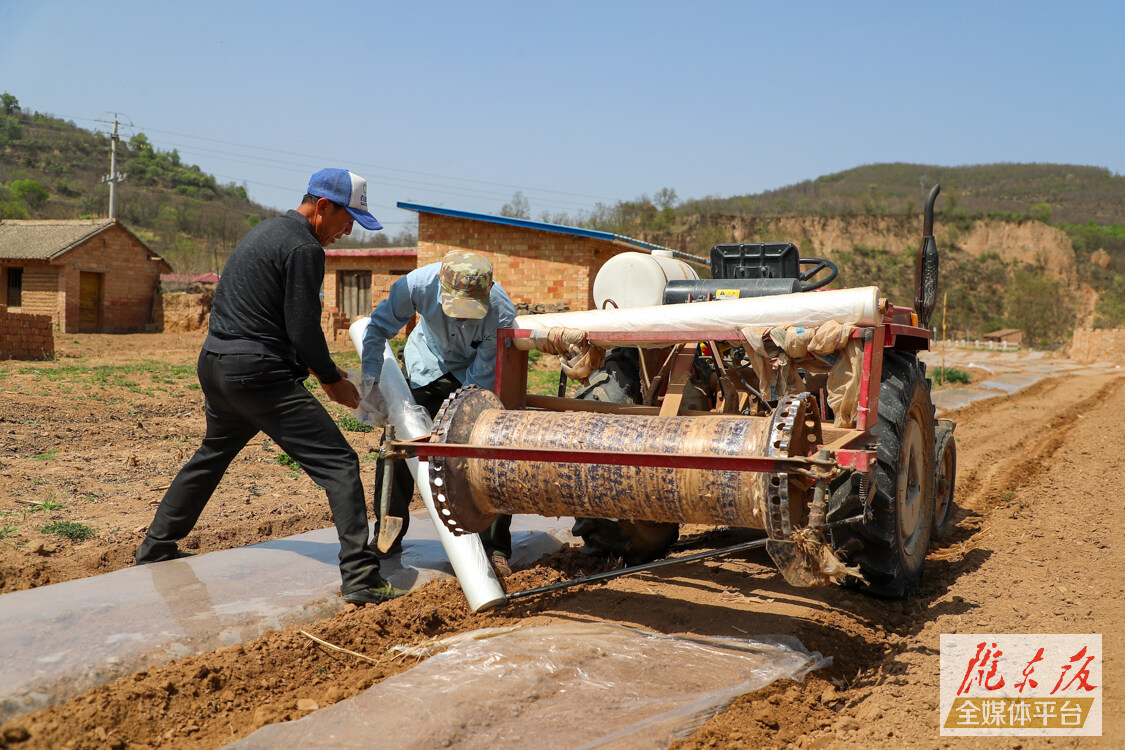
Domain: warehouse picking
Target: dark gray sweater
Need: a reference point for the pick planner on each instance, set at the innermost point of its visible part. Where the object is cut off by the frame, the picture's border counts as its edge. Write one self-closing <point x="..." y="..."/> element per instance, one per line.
<point x="268" y="298"/>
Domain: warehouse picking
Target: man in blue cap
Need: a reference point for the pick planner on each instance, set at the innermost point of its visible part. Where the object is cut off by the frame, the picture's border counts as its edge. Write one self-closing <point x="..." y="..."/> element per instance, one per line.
<point x="263" y="341"/>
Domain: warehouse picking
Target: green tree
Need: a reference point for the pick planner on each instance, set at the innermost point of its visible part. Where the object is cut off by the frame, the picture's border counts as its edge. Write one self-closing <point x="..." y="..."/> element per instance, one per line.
<point x="9" y="103"/>
<point x="12" y="210"/>
<point x="1111" y="305"/>
<point x="10" y="130"/>
<point x="1035" y="305"/>
<point x="30" y="192"/>
<point x="1041" y="212"/>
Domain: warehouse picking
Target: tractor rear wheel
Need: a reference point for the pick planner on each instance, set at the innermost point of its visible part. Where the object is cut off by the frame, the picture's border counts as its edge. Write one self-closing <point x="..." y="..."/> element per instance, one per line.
<point x="890" y="548"/>
<point x="618" y="382"/>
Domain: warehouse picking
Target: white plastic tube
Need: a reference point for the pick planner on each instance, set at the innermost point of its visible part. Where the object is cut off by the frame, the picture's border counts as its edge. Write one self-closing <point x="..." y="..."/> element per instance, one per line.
<point x="466" y="553"/>
<point x="858" y="307"/>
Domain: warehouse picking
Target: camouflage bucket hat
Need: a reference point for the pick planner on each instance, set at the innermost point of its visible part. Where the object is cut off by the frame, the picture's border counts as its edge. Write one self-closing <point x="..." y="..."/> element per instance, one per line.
<point x="466" y="281"/>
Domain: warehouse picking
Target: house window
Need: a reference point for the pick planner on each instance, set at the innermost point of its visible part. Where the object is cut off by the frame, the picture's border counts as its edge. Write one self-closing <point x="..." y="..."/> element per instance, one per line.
<point x="15" y="287"/>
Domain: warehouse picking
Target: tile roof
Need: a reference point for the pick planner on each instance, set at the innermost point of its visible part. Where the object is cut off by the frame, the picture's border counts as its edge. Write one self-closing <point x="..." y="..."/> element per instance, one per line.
<point x="46" y="239"/>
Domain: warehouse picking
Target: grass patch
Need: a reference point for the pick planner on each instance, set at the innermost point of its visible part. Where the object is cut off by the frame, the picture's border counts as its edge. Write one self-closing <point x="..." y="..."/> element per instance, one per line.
<point x="7" y="530"/>
<point x="49" y="455"/>
<point x="72" y="530"/>
<point x="288" y="462"/>
<point x="115" y="375"/>
<point x="348" y="423"/>
<point x="949" y="375"/>
<point x="47" y="505"/>
<point x="546" y="383"/>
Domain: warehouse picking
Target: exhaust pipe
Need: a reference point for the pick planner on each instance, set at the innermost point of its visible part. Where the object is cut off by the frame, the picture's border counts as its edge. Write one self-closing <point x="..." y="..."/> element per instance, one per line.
<point x="926" y="265"/>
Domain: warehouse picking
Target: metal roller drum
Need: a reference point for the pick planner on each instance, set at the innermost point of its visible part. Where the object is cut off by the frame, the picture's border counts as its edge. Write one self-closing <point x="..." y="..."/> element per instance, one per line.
<point x="472" y="491"/>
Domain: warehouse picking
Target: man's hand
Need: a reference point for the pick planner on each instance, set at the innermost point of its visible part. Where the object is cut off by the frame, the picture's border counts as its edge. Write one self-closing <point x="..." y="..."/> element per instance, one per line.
<point x="343" y="391"/>
<point x="372" y="400"/>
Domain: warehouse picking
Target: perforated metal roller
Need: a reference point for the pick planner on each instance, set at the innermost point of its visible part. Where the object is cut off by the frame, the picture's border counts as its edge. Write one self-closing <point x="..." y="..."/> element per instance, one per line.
<point x="471" y="492"/>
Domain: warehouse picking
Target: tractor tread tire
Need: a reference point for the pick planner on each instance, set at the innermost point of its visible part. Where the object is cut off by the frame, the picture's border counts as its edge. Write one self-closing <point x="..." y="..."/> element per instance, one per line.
<point x="890" y="560"/>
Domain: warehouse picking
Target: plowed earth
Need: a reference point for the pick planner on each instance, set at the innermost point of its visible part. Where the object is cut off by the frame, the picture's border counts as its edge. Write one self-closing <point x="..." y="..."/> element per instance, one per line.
<point x="102" y="430"/>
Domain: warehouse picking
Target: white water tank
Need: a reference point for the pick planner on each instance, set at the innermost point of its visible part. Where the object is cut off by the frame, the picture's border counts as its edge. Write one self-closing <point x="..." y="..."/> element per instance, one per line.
<point x="638" y="279"/>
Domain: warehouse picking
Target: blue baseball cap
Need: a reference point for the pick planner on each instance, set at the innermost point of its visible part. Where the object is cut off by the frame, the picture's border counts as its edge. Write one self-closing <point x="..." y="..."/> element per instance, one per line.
<point x="347" y="189"/>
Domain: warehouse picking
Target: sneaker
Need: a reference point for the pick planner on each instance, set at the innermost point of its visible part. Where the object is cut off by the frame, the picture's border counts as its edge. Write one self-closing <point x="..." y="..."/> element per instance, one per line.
<point x="373" y="594"/>
<point x="500" y="564"/>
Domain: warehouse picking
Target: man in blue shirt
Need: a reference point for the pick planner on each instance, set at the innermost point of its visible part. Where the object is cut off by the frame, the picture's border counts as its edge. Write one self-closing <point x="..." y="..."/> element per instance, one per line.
<point x="454" y="344"/>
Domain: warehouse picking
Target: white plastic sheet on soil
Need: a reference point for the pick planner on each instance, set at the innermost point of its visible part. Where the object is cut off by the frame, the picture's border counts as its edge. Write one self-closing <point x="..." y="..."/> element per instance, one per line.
<point x="567" y="685"/>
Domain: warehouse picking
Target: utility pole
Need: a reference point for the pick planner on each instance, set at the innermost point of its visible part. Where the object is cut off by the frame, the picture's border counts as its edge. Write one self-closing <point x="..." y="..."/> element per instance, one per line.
<point x="114" y="176"/>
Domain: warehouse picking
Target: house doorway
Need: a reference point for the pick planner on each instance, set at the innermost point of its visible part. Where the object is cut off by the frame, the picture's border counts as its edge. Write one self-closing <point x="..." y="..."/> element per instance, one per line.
<point x="354" y="293"/>
<point x="89" y="302"/>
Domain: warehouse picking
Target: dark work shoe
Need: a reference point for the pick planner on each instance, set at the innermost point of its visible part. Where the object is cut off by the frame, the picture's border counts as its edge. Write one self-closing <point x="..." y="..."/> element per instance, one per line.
<point x="174" y="555"/>
<point x="384" y="592"/>
<point x="500" y="564"/>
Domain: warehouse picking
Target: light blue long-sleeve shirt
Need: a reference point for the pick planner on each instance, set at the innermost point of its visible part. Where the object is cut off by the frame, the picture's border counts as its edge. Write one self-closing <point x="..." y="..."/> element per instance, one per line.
<point x="439" y="344"/>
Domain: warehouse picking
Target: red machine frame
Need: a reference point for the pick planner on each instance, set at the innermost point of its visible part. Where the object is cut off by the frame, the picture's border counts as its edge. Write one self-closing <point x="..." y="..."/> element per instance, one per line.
<point x="851" y="448"/>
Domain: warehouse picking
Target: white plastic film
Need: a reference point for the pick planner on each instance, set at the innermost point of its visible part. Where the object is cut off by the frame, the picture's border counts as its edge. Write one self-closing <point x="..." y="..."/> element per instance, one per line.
<point x="466" y="553"/>
<point x="564" y="685"/>
<point x="859" y="307"/>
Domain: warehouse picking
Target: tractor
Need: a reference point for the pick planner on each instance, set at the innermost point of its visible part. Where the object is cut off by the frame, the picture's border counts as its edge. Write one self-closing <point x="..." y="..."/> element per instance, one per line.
<point x="752" y="399"/>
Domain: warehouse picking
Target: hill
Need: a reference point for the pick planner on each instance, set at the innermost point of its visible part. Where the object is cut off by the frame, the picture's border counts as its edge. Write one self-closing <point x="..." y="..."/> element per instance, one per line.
<point x="1011" y="237"/>
<point x="1062" y="193"/>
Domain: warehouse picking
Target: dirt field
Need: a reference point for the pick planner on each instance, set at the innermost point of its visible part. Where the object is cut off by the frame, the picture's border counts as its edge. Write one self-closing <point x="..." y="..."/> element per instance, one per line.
<point x="94" y="437"/>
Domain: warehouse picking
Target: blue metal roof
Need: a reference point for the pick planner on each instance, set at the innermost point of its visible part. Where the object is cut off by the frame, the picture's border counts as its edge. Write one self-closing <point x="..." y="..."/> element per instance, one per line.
<point x="619" y="239"/>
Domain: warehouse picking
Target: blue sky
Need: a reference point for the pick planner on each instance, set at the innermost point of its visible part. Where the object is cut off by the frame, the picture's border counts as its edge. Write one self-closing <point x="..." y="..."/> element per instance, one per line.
<point x="461" y="104"/>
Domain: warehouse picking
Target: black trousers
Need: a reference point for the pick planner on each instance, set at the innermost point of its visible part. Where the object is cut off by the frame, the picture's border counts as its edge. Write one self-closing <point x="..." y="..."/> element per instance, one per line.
<point x="496" y="538"/>
<point x="245" y="394"/>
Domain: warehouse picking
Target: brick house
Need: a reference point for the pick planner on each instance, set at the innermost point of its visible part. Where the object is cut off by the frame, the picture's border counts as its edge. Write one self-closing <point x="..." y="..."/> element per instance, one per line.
<point x="88" y="276"/>
<point x="1005" y="335"/>
<point x="542" y="266"/>
<point x="356" y="280"/>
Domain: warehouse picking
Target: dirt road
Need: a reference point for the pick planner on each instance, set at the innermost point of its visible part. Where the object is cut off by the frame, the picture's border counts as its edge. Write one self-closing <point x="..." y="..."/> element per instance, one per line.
<point x="101" y="432"/>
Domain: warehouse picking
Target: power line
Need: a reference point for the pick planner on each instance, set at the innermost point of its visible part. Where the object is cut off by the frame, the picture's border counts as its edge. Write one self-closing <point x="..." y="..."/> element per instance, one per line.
<point x="190" y="150"/>
<point x="196" y="151"/>
<point x="321" y="159"/>
<point x="386" y="168"/>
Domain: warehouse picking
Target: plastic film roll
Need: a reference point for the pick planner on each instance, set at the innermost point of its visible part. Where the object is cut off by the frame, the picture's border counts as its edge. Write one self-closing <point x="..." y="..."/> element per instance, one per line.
<point x="466" y="553"/>
<point x="858" y="307"/>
